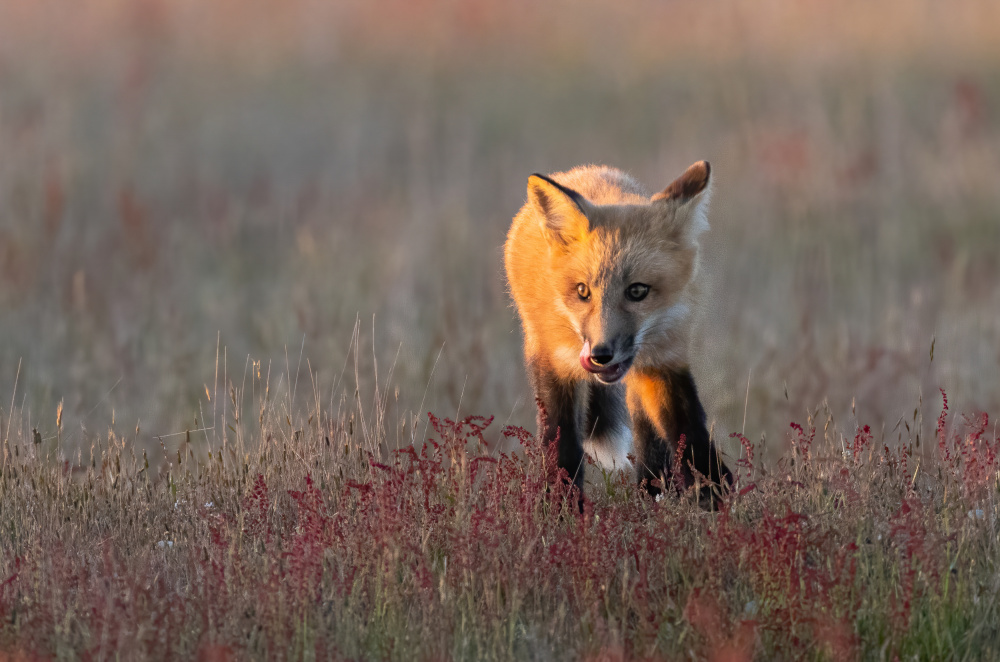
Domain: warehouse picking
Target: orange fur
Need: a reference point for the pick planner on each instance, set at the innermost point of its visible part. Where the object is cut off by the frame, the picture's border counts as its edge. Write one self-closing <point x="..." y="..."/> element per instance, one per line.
<point x="649" y="393"/>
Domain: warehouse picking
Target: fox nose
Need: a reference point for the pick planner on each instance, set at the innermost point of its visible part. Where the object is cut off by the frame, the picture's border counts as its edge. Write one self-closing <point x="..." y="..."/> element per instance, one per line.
<point x="602" y="355"/>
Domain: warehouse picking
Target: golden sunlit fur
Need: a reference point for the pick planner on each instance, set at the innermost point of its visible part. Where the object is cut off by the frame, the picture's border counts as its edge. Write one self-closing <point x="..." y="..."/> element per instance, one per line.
<point x="594" y="231"/>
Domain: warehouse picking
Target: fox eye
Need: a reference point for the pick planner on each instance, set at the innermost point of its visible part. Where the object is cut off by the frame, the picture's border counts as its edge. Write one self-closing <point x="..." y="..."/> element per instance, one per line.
<point x="583" y="291"/>
<point x="636" y="292"/>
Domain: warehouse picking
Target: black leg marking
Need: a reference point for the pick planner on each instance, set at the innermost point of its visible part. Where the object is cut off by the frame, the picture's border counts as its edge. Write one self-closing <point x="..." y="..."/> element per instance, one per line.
<point x="561" y="419"/>
<point x="650" y="454"/>
<point x="688" y="418"/>
<point x="681" y="414"/>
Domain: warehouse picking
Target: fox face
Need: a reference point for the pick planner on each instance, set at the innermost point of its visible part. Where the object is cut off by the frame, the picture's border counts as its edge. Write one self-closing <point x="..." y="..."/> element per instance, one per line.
<point x="623" y="270"/>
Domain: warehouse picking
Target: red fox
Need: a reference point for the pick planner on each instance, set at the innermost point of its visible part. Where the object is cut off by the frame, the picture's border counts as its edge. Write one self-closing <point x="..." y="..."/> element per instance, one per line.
<point x="603" y="277"/>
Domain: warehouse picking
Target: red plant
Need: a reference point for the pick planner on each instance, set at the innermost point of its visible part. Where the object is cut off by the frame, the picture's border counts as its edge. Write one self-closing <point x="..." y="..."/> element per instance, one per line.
<point x="941" y="434"/>
<point x="862" y="440"/>
<point x="794" y="595"/>
<point x="747" y="460"/>
<point x="919" y="560"/>
<point x="676" y="475"/>
<point x="452" y="539"/>
<point x="970" y="461"/>
<point x="802" y="442"/>
<point x="726" y="643"/>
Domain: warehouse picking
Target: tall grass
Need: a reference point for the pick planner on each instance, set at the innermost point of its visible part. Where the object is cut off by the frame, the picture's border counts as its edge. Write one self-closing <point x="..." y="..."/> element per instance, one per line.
<point x="281" y="536"/>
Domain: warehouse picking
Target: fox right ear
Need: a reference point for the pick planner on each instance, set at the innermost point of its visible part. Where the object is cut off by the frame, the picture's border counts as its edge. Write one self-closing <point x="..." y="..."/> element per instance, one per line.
<point x="687" y="186"/>
<point x="561" y="209"/>
<point x="686" y="200"/>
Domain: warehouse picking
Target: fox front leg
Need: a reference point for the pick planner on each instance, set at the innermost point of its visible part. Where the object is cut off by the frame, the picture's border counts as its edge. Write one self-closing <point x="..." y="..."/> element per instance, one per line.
<point x="651" y="455"/>
<point x="665" y="406"/>
<point x="559" y="419"/>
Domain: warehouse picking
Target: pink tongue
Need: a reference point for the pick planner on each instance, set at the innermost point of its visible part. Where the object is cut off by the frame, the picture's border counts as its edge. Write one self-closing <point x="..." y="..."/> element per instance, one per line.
<point x="585" y="356"/>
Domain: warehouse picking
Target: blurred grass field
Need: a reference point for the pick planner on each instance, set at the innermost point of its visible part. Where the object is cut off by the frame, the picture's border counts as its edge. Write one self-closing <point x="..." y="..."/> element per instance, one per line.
<point x="191" y="192"/>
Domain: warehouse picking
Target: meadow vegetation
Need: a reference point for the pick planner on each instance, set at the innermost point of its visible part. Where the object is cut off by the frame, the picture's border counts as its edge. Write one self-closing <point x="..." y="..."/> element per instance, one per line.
<point x="310" y="539"/>
<point x="245" y="248"/>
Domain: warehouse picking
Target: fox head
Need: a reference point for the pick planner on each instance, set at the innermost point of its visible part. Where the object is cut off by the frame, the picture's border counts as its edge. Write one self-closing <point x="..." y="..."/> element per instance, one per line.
<point x="623" y="270"/>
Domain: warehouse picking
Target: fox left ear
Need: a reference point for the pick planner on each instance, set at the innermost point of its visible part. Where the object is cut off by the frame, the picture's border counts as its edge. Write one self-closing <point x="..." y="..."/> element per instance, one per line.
<point x="687" y="198"/>
<point x="562" y="210"/>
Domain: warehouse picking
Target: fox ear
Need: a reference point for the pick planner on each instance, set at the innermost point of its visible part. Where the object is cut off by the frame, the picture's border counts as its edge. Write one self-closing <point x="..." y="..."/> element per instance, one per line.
<point x="562" y="209"/>
<point x="687" y="198"/>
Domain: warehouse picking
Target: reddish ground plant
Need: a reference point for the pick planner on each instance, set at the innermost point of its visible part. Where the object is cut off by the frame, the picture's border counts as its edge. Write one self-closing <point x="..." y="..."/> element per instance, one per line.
<point x="469" y="546"/>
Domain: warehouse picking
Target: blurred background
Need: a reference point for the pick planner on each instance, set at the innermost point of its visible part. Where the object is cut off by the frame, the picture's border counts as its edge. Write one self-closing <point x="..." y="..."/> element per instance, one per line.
<point x="196" y="192"/>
